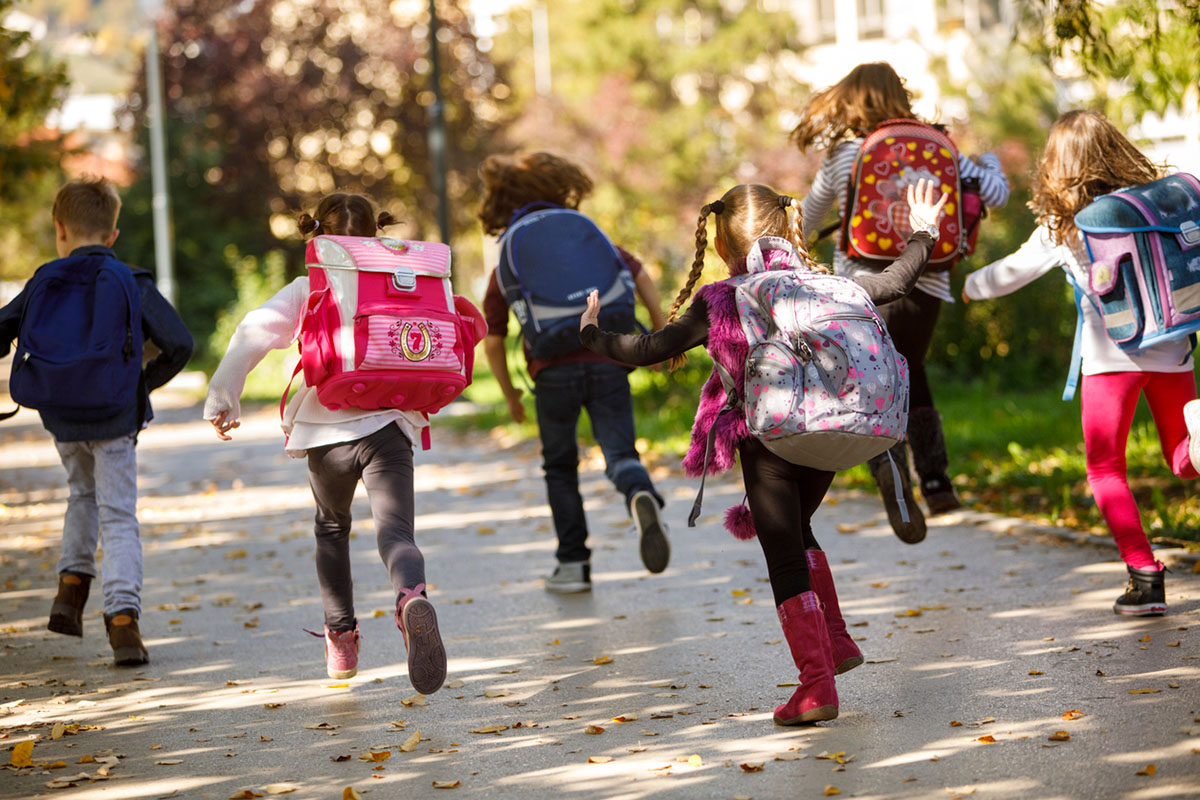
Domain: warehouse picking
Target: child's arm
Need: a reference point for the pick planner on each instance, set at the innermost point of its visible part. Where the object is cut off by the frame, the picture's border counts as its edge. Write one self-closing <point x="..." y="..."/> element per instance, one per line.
<point x="1034" y="259"/>
<point x="683" y="334"/>
<point x="162" y="325"/>
<point x="647" y="292"/>
<point x="833" y="173"/>
<point x="993" y="185"/>
<point x="271" y="326"/>
<point x="10" y="321"/>
<point x="900" y="276"/>
<point x="497" y="358"/>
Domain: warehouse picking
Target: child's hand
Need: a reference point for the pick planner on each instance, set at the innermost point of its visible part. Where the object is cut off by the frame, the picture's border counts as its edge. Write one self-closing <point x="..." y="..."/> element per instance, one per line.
<point x="224" y="427"/>
<point x="965" y="298"/>
<point x="592" y="315"/>
<point x="922" y="211"/>
<point x="515" y="409"/>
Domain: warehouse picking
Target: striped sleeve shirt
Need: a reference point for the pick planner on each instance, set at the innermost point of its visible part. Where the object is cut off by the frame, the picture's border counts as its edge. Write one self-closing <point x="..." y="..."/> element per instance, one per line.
<point x="828" y="191"/>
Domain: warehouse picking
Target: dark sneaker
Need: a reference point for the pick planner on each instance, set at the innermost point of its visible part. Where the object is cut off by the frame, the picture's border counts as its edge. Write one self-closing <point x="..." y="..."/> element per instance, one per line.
<point x="652" y="532"/>
<point x="939" y="496"/>
<point x="417" y="620"/>
<point x="125" y="639"/>
<point x="66" y="615"/>
<point x="570" y="577"/>
<point x="1146" y="595"/>
<point x="885" y="473"/>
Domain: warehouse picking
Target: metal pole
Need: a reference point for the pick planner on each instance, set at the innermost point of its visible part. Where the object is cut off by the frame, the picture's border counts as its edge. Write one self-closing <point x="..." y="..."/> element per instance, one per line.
<point x="437" y="128"/>
<point x="160" y="203"/>
<point x="541" y="49"/>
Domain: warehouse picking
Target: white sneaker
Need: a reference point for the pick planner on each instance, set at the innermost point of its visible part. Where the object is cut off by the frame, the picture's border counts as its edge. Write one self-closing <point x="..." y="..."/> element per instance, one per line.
<point x="1191" y="418"/>
<point x="652" y="531"/>
<point x="570" y="577"/>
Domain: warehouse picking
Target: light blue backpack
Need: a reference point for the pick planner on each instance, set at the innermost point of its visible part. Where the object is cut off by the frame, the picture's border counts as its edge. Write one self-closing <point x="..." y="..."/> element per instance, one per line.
<point x="1144" y="245"/>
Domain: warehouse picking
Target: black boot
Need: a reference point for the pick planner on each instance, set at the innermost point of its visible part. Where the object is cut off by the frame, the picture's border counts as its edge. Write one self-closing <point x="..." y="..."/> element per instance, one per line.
<point x="930" y="460"/>
<point x="66" y="615"/>
<point x="909" y="532"/>
<point x="1146" y="595"/>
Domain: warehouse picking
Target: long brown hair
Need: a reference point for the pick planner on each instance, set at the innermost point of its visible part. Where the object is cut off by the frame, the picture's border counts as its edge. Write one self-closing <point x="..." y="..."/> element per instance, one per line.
<point x="1085" y="157"/>
<point x="344" y="214"/>
<point x="513" y="182"/>
<point x="745" y="214"/>
<point x="870" y="94"/>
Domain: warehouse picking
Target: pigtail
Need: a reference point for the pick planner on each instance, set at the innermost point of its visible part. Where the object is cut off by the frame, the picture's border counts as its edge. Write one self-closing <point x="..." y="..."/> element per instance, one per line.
<point x="697" y="267"/>
<point x="307" y="224"/>
<point x="796" y="234"/>
<point x="385" y="219"/>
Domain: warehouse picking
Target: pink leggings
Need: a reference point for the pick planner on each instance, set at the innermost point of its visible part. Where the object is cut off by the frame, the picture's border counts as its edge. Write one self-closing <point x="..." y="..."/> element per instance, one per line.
<point x="1108" y="402"/>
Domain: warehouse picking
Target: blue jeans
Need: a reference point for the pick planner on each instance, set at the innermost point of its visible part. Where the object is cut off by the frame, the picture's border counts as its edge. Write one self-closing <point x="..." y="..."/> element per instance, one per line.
<point x="603" y="389"/>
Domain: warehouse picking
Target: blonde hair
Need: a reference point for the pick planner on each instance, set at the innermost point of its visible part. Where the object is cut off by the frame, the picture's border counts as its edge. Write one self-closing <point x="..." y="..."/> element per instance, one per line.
<point x="745" y="214"/>
<point x="512" y="182"/>
<point x="1085" y="157"/>
<point x="870" y="94"/>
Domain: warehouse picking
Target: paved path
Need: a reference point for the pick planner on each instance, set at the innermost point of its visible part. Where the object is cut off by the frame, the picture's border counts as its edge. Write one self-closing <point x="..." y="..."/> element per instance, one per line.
<point x="973" y="636"/>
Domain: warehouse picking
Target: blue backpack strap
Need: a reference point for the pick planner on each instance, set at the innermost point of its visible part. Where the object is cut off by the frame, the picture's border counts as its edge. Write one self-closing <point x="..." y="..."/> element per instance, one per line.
<point x="1077" y="346"/>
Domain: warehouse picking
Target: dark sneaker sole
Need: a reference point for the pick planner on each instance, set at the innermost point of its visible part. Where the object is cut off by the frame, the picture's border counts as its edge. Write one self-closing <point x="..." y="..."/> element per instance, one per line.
<point x="130" y="657"/>
<point x="426" y="653"/>
<point x="65" y="619"/>
<point x="911" y="532"/>
<point x="821" y="714"/>
<point x="1145" y="610"/>
<point x="652" y="539"/>
<point x="848" y="664"/>
<point x="942" y="503"/>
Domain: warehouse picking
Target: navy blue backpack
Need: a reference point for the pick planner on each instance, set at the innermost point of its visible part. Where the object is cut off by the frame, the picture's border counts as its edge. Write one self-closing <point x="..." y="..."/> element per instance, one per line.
<point x="551" y="258"/>
<point x="79" y="344"/>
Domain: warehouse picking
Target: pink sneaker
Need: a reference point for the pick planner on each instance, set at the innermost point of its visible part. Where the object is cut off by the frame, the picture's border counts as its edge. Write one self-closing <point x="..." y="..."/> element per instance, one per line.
<point x="417" y="620"/>
<point x="341" y="653"/>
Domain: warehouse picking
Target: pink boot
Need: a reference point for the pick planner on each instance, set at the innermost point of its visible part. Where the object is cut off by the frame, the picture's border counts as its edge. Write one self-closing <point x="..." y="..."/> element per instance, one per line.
<point x="807" y="637"/>
<point x="846" y="655"/>
<point x="417" y="620"/>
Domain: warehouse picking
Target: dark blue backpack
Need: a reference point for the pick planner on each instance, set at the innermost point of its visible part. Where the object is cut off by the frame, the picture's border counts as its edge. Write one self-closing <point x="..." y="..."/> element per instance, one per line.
<point x="551" y="258"/>
<point x="79" y="344"/>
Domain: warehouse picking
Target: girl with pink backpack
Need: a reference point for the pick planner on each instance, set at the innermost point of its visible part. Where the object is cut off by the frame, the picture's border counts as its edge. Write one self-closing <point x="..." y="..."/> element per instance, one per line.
<point x="754" y="233"/>
<point x="354" y="418"/>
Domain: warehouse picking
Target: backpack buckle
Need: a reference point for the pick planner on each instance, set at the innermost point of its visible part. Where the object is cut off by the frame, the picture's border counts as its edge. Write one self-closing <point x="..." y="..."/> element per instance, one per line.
<point x="404" y="279"/>
<point x="1190" y="232"/>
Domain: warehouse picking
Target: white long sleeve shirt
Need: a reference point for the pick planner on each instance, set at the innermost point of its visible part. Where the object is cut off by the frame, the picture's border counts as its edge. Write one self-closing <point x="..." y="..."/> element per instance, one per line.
<point x="1038" y="256"/>
<point x="306" y="423"/>
<point x="833" y="179"/>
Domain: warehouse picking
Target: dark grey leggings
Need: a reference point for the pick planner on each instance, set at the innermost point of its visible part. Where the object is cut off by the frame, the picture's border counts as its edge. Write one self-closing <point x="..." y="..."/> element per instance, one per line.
<point x="384" y="462"/>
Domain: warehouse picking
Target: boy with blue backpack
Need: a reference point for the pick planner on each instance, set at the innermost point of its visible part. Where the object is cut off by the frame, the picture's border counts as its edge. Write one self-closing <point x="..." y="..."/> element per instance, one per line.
<point x="551" y="258"/>
<point x="80" y="323"/>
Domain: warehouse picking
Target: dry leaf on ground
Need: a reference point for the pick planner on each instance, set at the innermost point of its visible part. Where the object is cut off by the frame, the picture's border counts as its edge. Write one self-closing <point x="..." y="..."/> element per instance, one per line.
<point x="1074" y="713"/>
<point x="593" y="729"/>
<point x="350" y="793"/>
<point x="490" y="729"/>
<point x="1149" y="769"/>
<point x="755" y="766"/>
<point x="411" y="742"/>
<point x="22" y="754"/>
<point x="598" y="660"/>
<point x="446" y="784"/>
<point x="599" y="759"/>
<point x="830" y="791"/>
<point x="280" y="788"/>
<point x="415" y="700"/>
<point x="1059" y="736"/>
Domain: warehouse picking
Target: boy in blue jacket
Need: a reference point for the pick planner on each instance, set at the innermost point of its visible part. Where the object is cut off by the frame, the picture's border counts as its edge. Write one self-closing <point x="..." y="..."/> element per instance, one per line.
<point x="96" y="444"/>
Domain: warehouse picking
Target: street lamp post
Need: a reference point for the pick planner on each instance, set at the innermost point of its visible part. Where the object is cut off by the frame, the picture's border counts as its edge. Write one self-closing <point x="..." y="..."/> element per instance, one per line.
<point x="437" y="127"/>
<point x="160" y="200"/>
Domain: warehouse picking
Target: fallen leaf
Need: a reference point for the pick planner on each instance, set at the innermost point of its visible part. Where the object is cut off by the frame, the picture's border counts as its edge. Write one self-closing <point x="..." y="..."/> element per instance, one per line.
<point x="496" y="692"/>
<point x="490" y="729"/>
<point x="338" y="686"/>
<point x="830" y="791"/>
<point x="325" y="726"/>
<point x="625" y="718"/>
<point x="1074" y="713"/>
<point x="598" y="660"/>
<point x="349" y="793"/>
<point x="280" y="788"/>
<point x="273" y="705"/>
<point x="1059" y="736"/>
<point x="599" y="759"/>
<point x="593" y="729"/>
<point x="245" y="794"/>
<point x="912" y="612"/>
<point x="455" y="684"/>
<point x="168" y="762"/>
<point x="1149" y="769"/>
<point x="1036" y="672"/>
<point x="694" y="761"/>
<point x="376" y="755"/>
<point x="955" y="723"/>
<point x="986" y="739"/>
<point x="1144" y="691"/>
<point x="411" y="742"/>
<point x="58" y="730"/>
<point x="446" y="784"/>
<point x="756" y="766"/>
<point x="1145" y="638"/>
<point x="21" y="754"/>
<point x="415" y="700"/>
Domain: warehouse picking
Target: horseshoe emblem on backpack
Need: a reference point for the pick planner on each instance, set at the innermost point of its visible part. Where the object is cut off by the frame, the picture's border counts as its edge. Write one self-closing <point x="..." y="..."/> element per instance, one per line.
<point x="416" y="344"/>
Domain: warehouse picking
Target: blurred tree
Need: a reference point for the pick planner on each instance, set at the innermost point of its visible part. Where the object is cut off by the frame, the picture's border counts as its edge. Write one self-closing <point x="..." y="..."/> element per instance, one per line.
<point x="667" y="103"/>
<point x="31" y="86"/>
<point x="1139" y="55"/>
<point x="271" y="104"/>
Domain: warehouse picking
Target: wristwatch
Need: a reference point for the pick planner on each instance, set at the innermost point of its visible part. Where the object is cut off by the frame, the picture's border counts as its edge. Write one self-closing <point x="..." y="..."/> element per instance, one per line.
<point x="932" y="229"/>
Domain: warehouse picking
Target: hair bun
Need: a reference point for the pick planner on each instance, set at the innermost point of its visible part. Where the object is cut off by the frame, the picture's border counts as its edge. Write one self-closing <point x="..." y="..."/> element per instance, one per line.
<point x="307" y="223"/>
<point x="716" y="206"/>
<point x="385" y="219"/>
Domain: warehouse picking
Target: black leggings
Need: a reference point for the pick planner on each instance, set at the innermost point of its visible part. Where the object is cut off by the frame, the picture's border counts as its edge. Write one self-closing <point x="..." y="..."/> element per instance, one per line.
<point x="910" y="320"/>
<point x="384" y="463"/>
<point x="781" y="495"/>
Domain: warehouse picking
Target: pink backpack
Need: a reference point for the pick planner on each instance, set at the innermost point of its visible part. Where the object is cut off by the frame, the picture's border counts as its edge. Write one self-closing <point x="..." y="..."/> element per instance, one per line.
<point x="382" y="328"/>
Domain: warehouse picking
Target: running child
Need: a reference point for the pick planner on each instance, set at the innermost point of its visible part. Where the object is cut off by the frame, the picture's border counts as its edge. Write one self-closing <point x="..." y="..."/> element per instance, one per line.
<point x="95" y="399"/>
<point x="343" y="447"/>
<point x="1087" y="157"/>
<point x="838" y="120"/>
<point x="558" y="256"/>
<point x="782" y="496"/>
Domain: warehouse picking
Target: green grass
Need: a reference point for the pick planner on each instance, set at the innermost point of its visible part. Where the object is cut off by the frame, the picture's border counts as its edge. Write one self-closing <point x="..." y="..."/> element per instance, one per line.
<point x="1013" y="452"/>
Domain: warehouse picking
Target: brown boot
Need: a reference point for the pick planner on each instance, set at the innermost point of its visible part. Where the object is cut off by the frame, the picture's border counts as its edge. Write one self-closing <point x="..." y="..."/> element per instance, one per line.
<point x="66" y="615"/>
<point x="125" y="639"/>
